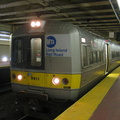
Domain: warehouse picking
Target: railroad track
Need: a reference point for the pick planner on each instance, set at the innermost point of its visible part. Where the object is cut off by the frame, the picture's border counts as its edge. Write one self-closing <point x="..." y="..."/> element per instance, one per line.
<point x="23" y="118"/>
<point x="5" y="87"/>
<point x="27" y="118"/>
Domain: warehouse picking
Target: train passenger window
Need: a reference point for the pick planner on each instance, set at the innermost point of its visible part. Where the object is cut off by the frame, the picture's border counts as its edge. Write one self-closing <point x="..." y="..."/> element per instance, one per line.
<point x="117" y="54"/>
<point x="113" y="54"/>
<point x="36" y="51"/>
<point x="91" y="57"/>
<point x="100" y="57"/>
<point x="85" y="56"/>
<point x="95" y="56"/>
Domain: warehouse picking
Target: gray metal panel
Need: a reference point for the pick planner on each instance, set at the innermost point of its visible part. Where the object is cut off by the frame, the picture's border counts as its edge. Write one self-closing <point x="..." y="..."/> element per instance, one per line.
<point x="57" y="27"/>
<point x="58" y="65"/>
<point x="55" y="94"/>
<point x="75" y="51"/>
<point x="63" y="94"/>
<point x="71" y="63"/>
<point x="94" y="72"/>
<point x="48" y="27"/>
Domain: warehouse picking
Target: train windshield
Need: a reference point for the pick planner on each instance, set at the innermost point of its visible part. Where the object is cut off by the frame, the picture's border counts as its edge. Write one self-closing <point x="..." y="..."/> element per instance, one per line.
<point x="17" y="52"/>
<point x="36" y="48"/>
<point x="28" y="52"/>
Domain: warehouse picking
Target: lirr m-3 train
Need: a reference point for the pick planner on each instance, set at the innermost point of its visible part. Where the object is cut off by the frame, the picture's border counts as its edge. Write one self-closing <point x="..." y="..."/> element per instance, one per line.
<point x="57" y="61"/>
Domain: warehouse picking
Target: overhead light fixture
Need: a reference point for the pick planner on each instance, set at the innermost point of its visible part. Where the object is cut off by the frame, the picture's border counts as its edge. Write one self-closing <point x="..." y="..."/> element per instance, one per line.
<point x="4" y="59"/>
<point x="115" y="4"/>
<point x="118" y="2"/>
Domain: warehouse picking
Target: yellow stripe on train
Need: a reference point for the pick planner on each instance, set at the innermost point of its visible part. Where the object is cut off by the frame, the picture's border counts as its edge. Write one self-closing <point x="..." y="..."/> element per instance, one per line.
<point x="70" y="81"/>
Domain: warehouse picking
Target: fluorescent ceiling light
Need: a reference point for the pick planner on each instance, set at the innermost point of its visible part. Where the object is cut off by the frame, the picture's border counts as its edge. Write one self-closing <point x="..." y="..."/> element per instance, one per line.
<point x="118" y="2"/>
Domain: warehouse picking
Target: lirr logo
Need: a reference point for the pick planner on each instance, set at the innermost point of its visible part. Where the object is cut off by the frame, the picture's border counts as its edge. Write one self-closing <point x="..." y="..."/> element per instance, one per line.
<point x="51" y="41"/>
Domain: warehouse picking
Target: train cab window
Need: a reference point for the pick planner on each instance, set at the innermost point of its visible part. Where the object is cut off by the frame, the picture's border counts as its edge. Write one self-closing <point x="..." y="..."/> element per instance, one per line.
<point x="36" y="52"/>
<point x="18" y="52"/>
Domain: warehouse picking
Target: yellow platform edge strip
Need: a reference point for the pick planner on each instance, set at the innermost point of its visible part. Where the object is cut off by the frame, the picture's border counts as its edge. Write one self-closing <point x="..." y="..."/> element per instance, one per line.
<point x="85" y="106"/>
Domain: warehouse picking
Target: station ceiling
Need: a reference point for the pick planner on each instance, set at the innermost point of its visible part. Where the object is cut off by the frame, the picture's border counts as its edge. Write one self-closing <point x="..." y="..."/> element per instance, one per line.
<point x="94" y="15"/>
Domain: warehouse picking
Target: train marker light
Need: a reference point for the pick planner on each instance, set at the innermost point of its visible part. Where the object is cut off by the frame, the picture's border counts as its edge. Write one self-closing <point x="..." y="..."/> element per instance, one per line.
<point x="19" y="77"/>
<point x="13" y="76"/>
<point x="35" y="24"/>
<point x="118" y="2"/>
<point x="55" y="81"/>
<point x="106" y="40"/>
<point x="65" y="81"/>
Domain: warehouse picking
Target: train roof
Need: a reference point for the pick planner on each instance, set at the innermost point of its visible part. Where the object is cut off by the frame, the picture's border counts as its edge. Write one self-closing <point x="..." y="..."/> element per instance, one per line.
<point x="46" y="27"/>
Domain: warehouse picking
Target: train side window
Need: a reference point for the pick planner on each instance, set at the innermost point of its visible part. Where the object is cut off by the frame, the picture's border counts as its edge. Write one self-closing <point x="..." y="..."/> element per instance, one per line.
<point x="100" y="56"/>
<point x="36" y="51"/>
<point x="117" y="53"/>
<point x="91" y="57"/>
<point x="85" y="56"/>
<point x="95" y="56"/>
<point x="113" y="54"/>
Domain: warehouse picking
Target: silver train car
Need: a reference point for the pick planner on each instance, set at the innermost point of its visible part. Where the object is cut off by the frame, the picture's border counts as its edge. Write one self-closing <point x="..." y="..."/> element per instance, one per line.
<point x="58" y="61"/>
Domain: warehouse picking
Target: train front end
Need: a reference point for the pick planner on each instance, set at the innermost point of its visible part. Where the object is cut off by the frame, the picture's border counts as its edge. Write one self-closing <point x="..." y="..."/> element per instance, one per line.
<point x="43" y="64"/>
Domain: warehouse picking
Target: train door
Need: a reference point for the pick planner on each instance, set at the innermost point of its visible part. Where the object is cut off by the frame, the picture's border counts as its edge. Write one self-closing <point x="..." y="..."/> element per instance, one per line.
<point x="107" y="58"/>
<point x="35" y="62"/>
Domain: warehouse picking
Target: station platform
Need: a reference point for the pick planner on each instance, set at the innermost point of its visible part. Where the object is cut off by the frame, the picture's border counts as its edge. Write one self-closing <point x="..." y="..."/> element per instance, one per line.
<point x="4" y="64"/>
<point x="100" y="103"/>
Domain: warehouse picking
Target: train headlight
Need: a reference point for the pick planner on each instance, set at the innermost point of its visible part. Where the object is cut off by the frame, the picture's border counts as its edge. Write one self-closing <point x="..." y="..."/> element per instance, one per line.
<point x="35" y="24"/>
<point x="65" y="81"/>
<point x="38" y="23"/>
<point x="55" y="81"/>
<point x="19" y="77"/>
